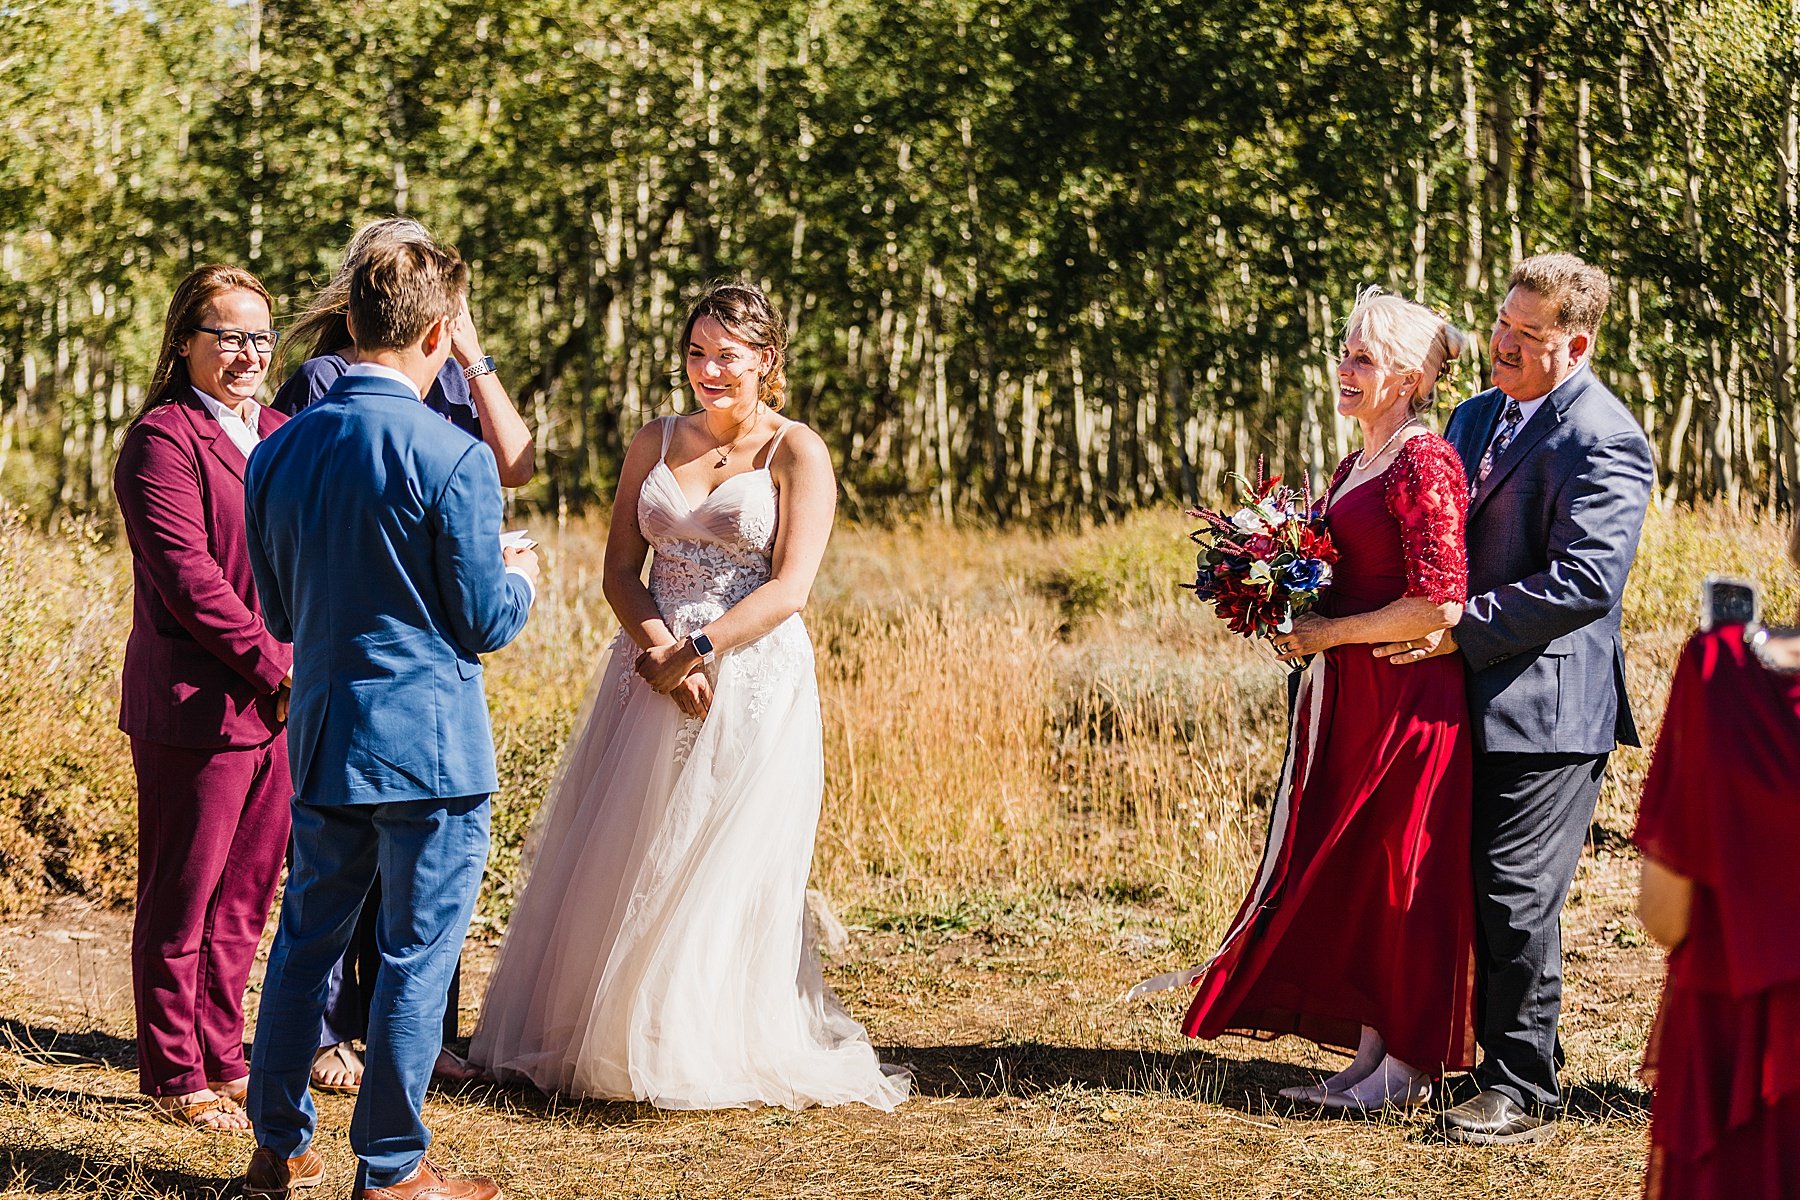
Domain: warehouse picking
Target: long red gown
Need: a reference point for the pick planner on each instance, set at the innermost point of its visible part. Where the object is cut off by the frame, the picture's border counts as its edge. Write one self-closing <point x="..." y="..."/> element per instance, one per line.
<point x="1721" y="807"/>
<point x="1368" y="917"/>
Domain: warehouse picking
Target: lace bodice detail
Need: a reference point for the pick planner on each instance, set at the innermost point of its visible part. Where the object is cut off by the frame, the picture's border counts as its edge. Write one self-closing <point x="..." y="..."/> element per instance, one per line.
<point x="709" y="557"/>
<point x="1427" y="492"/>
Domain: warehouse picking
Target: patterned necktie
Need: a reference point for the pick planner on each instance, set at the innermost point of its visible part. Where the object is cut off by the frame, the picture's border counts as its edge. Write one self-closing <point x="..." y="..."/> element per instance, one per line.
<point x="1510" y="420"/>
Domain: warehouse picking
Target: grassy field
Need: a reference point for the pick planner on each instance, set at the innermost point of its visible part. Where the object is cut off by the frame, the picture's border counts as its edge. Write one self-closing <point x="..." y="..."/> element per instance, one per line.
<point x="1047" y="771"/>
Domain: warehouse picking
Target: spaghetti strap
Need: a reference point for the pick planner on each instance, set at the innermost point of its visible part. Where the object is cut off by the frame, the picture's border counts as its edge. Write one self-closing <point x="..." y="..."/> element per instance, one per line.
<point x="668" y="424"/>
<point x="775" y="442"/>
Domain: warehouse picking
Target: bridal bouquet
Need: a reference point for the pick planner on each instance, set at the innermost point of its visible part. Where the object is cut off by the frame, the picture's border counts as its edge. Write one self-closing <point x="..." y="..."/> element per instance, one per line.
<point x="1266" y="563"/>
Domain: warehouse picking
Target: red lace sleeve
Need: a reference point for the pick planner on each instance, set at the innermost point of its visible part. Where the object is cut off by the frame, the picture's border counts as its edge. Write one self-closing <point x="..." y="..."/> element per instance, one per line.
<point x="1428" y="494"/>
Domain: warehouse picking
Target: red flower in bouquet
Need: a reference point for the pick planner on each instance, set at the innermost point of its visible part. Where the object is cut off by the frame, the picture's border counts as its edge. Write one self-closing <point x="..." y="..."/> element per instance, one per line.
<point x="1266" y="562"/>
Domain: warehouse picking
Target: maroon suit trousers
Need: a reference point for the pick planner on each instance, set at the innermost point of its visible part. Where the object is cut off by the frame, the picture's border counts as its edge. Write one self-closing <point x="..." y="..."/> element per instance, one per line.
<point x="212" y="833"/>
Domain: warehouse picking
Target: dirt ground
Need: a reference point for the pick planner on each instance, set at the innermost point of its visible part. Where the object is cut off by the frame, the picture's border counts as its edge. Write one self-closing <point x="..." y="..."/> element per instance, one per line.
<point x="1033" y="1082"/>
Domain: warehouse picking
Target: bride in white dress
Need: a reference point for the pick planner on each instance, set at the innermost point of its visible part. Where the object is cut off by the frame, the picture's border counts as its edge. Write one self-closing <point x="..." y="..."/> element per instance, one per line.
<point x="659" y="950"/>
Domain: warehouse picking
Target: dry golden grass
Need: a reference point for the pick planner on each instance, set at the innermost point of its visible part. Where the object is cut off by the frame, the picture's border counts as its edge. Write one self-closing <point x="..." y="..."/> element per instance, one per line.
<point x="1046" y="773"/>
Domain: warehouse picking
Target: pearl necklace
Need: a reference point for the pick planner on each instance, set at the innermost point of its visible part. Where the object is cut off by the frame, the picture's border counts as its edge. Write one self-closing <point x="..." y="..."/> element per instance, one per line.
<point x="1362" y="456"/>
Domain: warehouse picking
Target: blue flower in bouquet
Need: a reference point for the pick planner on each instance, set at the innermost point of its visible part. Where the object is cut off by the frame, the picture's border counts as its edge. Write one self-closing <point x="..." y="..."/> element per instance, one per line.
<point x="1306" y="574"/>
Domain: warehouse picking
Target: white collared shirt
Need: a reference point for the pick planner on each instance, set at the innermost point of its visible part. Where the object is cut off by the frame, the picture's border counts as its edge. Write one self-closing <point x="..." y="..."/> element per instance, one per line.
<point x="1529" y="407"/>
<point x="242" y="433"/>
<point x="385" y="372"/>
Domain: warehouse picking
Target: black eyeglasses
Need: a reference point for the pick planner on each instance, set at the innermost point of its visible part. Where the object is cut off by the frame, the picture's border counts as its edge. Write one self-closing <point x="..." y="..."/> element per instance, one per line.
<point x="233" y="341"/>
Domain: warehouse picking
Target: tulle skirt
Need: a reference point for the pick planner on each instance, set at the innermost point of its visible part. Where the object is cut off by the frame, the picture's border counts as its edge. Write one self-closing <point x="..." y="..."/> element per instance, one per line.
<point x="659" y="950"/>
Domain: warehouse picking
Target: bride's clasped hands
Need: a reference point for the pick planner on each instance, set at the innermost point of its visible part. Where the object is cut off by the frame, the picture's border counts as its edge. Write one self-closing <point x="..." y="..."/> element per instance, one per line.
<point x="677" y="671"/>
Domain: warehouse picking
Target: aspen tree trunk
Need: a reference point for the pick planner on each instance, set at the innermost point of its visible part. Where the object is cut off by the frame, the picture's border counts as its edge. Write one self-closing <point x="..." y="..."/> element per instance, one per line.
<point x="1474" y="247"/>
<point x="1424" y="92"/>
<point x="1581" y="183"/>
<point x="1786" y="330"/>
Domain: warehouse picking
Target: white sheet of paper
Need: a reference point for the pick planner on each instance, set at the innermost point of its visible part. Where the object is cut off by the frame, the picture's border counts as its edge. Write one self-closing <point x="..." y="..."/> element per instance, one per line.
<point x="516" y="539"/>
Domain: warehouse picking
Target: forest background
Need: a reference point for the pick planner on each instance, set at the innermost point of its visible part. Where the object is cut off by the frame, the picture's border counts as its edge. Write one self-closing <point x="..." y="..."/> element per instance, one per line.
<point x="1042" y="258"/>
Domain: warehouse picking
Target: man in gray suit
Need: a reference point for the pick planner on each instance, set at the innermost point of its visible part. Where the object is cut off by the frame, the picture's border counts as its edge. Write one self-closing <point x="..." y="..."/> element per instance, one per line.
<point x="1559" y="475"/>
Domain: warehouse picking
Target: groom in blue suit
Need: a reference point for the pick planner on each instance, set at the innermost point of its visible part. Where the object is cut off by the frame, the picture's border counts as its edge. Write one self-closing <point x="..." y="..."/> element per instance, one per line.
<point x="374" y="530"/>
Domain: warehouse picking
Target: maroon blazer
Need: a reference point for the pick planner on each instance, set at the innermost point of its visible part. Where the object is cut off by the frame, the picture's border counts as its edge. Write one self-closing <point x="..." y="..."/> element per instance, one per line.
<point x="201" y="671"/>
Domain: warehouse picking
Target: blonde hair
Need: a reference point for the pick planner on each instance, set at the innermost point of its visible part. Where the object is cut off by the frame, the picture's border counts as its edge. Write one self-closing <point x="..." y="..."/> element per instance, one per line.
<point x="1407" y="336"/>
<point x="321" y="328"/>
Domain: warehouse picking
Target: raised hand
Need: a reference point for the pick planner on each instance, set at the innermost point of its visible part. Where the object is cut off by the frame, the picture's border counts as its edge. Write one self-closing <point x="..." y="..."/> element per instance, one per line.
<point x="465" y="343"/>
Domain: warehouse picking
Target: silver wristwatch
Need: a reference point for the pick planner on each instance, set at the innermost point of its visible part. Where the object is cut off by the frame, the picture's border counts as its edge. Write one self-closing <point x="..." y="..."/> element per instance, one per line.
<point x="481" y="366"/>
<point x="702" y="646"/>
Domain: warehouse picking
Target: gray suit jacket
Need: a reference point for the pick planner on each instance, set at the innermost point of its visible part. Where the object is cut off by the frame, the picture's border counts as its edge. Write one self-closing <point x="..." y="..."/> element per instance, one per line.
<point x="1551" y="535"/>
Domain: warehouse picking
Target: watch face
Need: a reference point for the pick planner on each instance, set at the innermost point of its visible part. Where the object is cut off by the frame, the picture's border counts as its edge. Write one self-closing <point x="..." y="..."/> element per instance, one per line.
<point x="703" y="644"/>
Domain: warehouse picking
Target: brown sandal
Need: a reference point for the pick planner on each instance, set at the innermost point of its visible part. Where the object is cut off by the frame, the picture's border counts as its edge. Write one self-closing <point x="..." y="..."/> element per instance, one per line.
<point x="342" y="1057"/>
<point x="193" y="1114"/>
<point x="239" y="1095"/>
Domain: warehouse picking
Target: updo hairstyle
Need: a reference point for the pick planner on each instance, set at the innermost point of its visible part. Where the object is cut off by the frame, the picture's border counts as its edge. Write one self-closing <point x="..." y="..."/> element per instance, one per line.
<point x="748" y="314"/>
<point x="1408" y="337"/>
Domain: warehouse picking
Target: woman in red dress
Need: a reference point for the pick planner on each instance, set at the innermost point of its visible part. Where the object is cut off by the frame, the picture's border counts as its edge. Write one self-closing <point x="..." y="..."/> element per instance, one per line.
<point x="1718" y="824"/>
<point x="1360" y="933"/>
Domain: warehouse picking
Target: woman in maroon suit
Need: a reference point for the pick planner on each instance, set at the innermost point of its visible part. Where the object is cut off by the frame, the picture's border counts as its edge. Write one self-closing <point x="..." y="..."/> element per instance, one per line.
<point x="1360" y="933"/>
<point x="1718" y="824"/>
<point x="204" y="699"/>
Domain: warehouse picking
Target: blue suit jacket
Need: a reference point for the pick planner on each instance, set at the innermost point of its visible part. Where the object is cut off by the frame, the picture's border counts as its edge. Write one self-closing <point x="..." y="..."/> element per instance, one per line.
<point x="1552" y="535"/>
<point x="374" y="531"/>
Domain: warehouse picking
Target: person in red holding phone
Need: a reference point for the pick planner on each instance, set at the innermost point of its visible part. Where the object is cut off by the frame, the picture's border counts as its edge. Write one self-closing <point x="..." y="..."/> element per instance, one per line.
<point x="1719" y="816"/>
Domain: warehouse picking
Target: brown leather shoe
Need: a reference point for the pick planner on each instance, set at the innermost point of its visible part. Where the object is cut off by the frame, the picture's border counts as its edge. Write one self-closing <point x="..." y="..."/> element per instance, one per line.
<point x="271" y="1177"/>
<point x="429" y="1183"/>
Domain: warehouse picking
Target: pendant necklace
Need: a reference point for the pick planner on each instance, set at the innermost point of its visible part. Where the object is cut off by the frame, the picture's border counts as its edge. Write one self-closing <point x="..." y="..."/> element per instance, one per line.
<point x="724" y="452"/>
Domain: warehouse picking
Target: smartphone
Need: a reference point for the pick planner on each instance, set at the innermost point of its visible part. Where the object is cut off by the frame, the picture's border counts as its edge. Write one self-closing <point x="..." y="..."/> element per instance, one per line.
<point x="1726" y="601"/>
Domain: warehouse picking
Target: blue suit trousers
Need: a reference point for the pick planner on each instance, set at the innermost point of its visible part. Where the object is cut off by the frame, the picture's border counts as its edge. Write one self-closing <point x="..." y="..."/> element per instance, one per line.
<point x="430" y="854"/>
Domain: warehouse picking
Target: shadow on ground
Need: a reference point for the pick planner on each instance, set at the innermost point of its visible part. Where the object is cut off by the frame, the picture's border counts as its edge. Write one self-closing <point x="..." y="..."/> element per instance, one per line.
<point x="27" y="1170"/>
<point x="1247" y="1085"/>
<point x="49" y="1047"/>
<point x="1030" y="1067"/>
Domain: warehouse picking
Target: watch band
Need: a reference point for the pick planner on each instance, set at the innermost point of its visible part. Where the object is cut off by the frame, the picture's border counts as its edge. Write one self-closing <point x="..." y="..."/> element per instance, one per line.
<point x="481" y="366"/>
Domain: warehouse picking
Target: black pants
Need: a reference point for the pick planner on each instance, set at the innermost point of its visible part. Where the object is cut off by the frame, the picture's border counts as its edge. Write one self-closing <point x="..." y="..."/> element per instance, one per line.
<point x="1531" y="819"/>
<point x="351" y="988"/>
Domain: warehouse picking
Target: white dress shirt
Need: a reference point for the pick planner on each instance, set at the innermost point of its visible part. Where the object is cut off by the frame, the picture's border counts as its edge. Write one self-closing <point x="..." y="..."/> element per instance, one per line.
<point x="1529" y="407"/>
<point x="242" y="433"/>
<point x="385" y="372"/>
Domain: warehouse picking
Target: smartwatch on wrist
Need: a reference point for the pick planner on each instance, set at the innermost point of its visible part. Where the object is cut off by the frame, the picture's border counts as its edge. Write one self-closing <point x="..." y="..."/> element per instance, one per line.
<point x="702" y="646"/>
<point x="481" y="366"/>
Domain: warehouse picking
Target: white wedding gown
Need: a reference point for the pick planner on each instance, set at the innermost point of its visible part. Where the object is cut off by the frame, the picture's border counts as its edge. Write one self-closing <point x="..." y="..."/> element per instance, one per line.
<point x="659" y="950"/>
